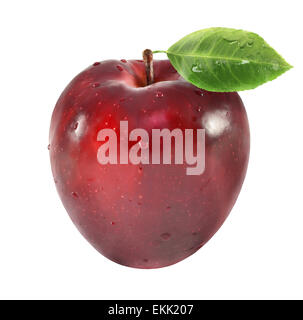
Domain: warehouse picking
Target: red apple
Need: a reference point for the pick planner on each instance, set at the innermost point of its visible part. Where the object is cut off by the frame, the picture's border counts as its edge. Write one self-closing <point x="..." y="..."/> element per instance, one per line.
<point x="151" y="215"/>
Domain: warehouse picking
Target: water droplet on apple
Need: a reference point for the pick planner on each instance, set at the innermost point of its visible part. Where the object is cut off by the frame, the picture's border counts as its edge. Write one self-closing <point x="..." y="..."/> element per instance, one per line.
<point x="96" y="64"/>
<point x="96" y="85"/>
<point x="48" y="147"/>
<point x="159" y="94"/>
<point x="199" y="92"/>
<point x="75" y="195"/>
<point x="119" y="68"/>
<point x="199" y="108"/>
<point x="165" y="236"/>
<point x="112" y="223"/>
<point x="123" y="60"/>
<point x="75" y="126"/>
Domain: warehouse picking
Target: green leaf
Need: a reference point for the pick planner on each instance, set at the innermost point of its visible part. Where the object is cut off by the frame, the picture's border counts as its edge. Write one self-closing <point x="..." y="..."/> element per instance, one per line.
<point x="224" y="60"/>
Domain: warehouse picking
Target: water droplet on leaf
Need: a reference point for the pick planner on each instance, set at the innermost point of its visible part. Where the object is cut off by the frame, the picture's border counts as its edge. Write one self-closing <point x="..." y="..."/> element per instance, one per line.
<point x="196" y="68"/>
<point x="275" y="66"/>
<point x="250" y="43"/>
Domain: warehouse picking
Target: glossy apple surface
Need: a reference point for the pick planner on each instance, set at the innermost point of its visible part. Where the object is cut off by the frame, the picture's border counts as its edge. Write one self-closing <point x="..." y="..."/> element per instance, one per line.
<point x="146" y="216"/>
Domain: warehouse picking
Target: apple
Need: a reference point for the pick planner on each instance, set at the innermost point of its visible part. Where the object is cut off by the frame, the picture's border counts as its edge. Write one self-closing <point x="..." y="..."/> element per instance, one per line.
<point x="146" y="215"/>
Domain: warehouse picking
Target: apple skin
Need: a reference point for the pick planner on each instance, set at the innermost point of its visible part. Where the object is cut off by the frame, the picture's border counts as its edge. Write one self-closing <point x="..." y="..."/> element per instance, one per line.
<point x="146" y="216"/>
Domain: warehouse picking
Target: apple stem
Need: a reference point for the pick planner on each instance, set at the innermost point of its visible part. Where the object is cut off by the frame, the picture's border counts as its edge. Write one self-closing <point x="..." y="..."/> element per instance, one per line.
<point x="148" y="60"/>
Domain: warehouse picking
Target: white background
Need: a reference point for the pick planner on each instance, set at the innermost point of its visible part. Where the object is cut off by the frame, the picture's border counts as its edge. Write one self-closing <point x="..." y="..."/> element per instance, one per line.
<point x="257" y="254"/>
